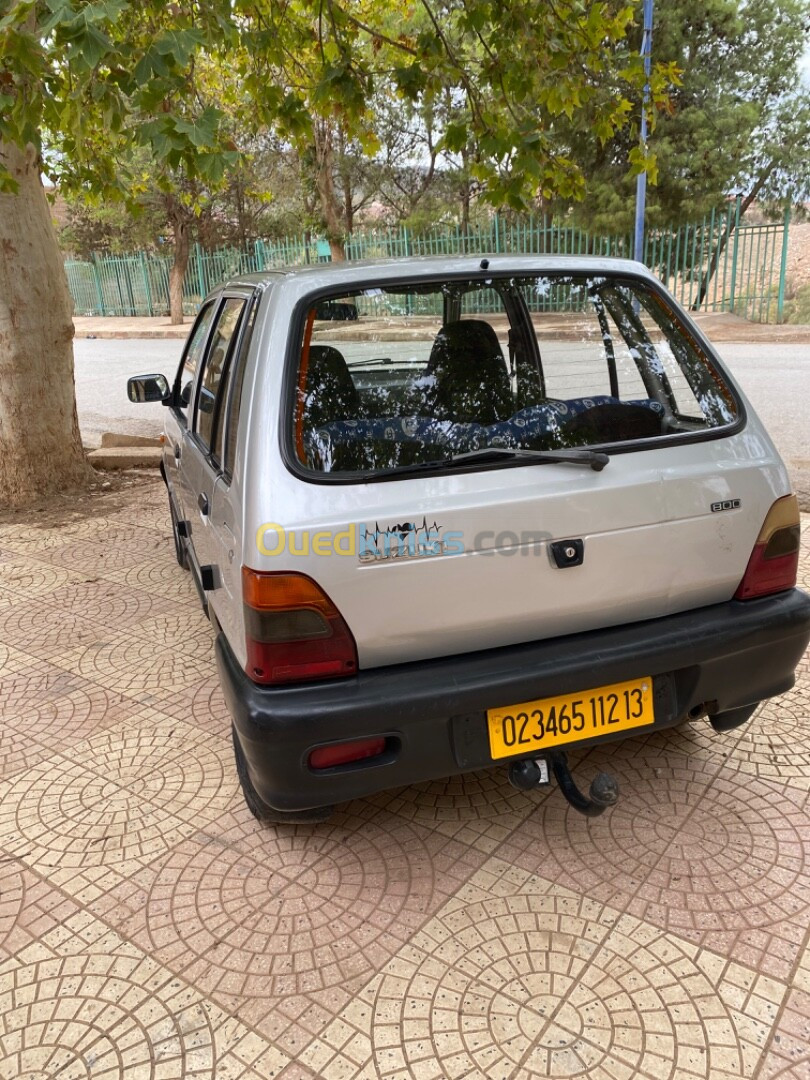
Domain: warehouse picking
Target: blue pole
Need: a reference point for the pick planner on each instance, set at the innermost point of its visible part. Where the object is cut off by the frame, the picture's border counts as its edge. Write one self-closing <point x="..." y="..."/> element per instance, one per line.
<point x="641" y="179"/>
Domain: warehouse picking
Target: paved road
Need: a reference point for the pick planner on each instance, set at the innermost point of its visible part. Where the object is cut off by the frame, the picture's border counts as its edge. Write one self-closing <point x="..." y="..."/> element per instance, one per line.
<point x="776" y="378"/>
<point x="102" y="370"/>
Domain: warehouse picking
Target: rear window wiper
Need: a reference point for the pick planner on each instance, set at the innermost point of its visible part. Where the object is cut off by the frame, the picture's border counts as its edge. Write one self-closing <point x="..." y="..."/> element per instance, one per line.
<point x="593" y="458"/>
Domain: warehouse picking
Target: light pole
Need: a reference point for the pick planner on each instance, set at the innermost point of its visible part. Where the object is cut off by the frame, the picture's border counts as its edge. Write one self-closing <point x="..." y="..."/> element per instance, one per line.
<point x="641" y="179"/>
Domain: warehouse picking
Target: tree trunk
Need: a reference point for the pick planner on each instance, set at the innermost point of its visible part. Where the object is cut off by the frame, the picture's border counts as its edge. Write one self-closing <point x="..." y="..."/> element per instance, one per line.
<point x="177" y="274"/>
<point x="40" y="447"/>
<point x="348" y="205"/>
<point x="347" y="189"/>
<point x="325" y="183"/>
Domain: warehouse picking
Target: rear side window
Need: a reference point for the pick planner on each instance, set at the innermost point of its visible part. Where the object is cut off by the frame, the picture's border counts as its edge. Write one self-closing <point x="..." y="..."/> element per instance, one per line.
<point x="407" y="374"/>
<point x="207" y="415"/>
<point x="233" y="394"/>
<point x="184" y="383"/>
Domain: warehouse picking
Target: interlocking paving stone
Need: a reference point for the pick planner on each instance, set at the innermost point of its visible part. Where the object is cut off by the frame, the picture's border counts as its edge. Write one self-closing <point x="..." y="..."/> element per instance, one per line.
<point x="12" y="661"/>
<point x="49" y="712"/>
<point x="79" y="830"/>
<point x="43" y="631"/>
<point x="254" y="917"/>
<point x="150" y="928"/>
<point x="775" y="744"/>
<point x="203" y="705"/>
<point x="478" y="809"/>
<point x="83" y="1002"/>
<point x="164" y="762"/>
<point x="609" y="858"/>
<point x="163" y="578"/>
<point x="523" y="979"/>
<point x="30" y="577"/>
<point x="113" y="548"/>
<point x="788" y="1052"/>
<point x="693" y="847"/>
<point x="137" y="666"/>
<point x="29" y="908"/>
<point x="108" y="603"/>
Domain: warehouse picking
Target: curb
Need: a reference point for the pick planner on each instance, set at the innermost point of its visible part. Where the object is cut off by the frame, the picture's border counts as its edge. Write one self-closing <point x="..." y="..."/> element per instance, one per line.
<point x="126" y="457"/>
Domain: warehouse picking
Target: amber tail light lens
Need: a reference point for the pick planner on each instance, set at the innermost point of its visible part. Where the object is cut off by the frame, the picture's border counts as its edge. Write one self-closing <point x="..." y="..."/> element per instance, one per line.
<point x="774" y="562"/>
<point x="293" y="631"/>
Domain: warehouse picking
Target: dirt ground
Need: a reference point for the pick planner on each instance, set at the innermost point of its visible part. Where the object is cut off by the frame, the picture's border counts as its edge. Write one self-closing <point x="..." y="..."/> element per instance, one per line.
<point x="798" y="263"/>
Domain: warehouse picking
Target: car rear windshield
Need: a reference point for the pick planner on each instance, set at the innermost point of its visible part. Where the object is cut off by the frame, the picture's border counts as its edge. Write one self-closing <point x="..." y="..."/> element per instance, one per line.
<point x="410" y="374"/>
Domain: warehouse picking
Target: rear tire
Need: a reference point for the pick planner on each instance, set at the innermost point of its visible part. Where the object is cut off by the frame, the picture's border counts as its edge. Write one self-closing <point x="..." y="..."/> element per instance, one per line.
<point x="179" y="546"/>
<point x="259" y="808"/>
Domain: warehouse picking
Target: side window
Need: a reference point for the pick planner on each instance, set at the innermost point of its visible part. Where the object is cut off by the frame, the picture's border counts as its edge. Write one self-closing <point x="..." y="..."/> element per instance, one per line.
<point x="191" y="358"/>
<point x="216" y="361"/>
<point x="236" y="376"/>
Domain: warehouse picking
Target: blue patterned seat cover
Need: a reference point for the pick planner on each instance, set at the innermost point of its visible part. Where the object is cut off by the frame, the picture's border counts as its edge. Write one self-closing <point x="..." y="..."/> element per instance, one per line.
<point x="535" y="420"/>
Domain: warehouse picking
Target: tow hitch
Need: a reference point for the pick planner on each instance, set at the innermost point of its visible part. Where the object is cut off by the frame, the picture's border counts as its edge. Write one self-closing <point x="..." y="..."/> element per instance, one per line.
<point x="528" y="774"/>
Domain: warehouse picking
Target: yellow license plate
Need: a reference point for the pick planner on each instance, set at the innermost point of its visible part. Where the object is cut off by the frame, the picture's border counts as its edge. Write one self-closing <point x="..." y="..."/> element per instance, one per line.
<point x="539" y="725"/>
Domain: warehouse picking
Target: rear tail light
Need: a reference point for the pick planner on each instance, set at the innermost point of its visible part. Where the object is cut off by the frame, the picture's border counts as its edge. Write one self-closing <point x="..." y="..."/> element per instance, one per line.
<point x="774" y="561"/>
<point x="293" y="630"/>
<point x="327" y="757"/>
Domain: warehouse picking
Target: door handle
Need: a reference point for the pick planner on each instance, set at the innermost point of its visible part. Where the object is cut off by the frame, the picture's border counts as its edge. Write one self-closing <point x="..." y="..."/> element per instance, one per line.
<point x="202" y="502"/>
<point x="177" y="451"/>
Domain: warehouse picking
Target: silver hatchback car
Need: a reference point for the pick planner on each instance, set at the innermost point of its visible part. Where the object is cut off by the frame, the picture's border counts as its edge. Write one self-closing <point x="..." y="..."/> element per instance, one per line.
<point x="449" y="514"/>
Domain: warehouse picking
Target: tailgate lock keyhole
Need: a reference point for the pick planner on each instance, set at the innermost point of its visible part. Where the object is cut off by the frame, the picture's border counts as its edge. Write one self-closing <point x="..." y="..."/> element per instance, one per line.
<point x="567" y="553"/>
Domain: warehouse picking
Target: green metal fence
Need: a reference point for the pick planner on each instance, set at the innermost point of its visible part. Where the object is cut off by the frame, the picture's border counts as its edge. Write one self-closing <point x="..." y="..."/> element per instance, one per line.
<point x="719" y="264"/>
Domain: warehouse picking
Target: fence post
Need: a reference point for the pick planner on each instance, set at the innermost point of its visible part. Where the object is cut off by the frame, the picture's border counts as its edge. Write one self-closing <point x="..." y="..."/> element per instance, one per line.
<point x="780" y="303"/>
<point x="200" y="273"/>
<point x="99" y="290"/>
<point x="146" y="286"/>
<point x="734" y="253"/>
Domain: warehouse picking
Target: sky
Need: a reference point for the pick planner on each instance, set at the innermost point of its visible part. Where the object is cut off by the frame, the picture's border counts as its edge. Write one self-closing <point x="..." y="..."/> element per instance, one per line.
<point x="804" y="66"/>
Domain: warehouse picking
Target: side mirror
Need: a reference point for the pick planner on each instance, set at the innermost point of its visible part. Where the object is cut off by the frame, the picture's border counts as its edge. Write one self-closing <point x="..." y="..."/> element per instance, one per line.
<point x="148" y="388"/>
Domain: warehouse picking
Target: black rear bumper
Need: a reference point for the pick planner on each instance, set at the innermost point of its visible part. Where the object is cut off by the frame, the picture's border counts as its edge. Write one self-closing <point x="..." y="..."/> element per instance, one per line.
<point x="433" y="712"/>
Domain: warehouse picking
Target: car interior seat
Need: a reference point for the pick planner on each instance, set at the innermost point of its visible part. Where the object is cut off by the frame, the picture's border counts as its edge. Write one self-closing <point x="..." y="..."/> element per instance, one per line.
<point x="470" y="384"/>
<point x="329" y="393"/>
<point x="610" y="423"/>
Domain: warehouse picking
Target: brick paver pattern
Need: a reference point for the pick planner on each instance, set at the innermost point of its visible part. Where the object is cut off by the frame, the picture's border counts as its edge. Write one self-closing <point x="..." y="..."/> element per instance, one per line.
<point x="150" y="929"/>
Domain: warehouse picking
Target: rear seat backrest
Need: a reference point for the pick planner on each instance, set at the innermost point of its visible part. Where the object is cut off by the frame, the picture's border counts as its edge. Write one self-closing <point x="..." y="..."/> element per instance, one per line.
<point x="471" y="383"/>
<point x="330" y="393"/>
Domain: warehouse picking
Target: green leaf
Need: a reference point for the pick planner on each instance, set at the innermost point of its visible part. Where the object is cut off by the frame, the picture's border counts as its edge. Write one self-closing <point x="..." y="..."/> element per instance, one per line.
<point x="201" y="130"/>
<point x="456" y="136"/>
<point x="179" y="45"/>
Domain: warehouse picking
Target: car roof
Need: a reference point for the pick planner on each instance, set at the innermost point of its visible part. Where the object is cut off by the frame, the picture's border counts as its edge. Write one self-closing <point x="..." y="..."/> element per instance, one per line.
<point x="323" y="275"/>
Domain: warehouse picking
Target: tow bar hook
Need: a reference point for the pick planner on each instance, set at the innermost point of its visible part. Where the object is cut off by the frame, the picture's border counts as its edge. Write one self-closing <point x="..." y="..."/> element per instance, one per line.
<point x="529" y="774"/>
<point x="604" y="791"/>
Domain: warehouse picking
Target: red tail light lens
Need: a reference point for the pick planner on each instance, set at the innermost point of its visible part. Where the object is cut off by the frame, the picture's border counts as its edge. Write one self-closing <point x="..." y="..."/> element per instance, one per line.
<point x="327" y="757"/>
<point x="774" y="562"/>
<point x="293" y="630"/>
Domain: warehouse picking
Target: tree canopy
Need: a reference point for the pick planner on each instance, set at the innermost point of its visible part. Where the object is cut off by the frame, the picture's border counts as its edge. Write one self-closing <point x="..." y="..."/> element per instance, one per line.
<point x="736" y="122"/>
<point x="93" y="72"/>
